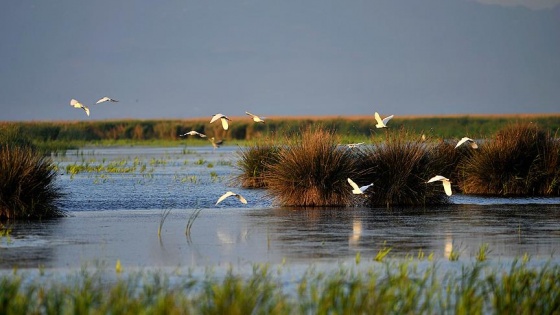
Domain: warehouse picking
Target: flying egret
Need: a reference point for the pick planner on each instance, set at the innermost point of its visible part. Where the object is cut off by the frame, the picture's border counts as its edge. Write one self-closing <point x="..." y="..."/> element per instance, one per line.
<point x="74" y="103"/>
<point x="223" y="118"/>
<point x="105" y="99"/>
<point x="256" y="118"/>
<point x="228" y="194"/>
<point x="356" y="190"/>
<point x="216" y="144"/>
<point x="469" y="140"/>
<point x="193" y="133"/>
<point x="382" y="123"/>
<point x="354" y="145"/>
<point x="445" y="181"/>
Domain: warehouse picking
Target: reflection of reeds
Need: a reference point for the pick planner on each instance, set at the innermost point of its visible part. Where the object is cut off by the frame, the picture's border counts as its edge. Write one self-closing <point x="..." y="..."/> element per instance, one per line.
<point x="521" y="160"/>
<point x="27" y="184"/>
<point x="163" y="216"/>
<point x="190" y="222"/>
<point x="312" y="171"/>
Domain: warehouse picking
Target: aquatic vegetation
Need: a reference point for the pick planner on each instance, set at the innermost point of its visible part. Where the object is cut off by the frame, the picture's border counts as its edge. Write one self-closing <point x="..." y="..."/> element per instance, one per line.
<point x="163" y="216"/>
<point x="190" y="222"/>
<point x="521" y="160"/>
<point x="214" y="177"/>
<point x="200" y="161"/>
<point x="5" y="233"/>
<point x="311" y="171"/>
<point x="483" y="252"/>
<point x="399" y="169"/>
<point x="454" y="255"/>
<point x="27" y="184"/>
<point x="384" y="288"/>
<point x="382" y="253"/>
<point x="253" y="162"/>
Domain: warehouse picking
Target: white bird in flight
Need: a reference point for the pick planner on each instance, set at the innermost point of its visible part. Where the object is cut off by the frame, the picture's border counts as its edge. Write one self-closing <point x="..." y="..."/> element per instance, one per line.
<point x="469" y="140"/>
<point x="223" y="118"/>
<point x="105" y="99"/>
<point x="354" y="145"/>
<point x="256" y="118"/>
<point x="193" y="133"/>
<point x="228" y="194"/>
<point x="445" y="181"/>
<point x="382" y="123"/>
<point x="216" y="144"/>
<point x="356" y="190"/>
<point x="74" y="103"/>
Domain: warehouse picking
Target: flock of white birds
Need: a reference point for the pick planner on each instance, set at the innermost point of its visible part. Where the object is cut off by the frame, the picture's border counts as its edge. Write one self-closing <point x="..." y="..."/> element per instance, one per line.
<point x="357" y="190"/>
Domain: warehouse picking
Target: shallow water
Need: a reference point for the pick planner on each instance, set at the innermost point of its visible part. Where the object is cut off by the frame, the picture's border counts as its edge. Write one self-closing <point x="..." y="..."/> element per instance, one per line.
<point x="114" y="216"/>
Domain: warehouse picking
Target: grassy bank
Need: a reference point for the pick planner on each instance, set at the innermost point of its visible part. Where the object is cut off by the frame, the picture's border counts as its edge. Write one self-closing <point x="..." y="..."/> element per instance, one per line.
<point x="383" y="288"/>
<point x="68" y="134"/>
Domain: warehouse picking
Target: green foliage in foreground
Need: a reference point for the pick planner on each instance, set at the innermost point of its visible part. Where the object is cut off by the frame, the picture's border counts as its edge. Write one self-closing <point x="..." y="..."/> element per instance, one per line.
<point x="382" y="288"/>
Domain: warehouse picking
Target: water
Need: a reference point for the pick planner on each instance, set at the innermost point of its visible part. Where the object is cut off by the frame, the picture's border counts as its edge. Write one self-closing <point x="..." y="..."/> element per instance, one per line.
<point x="114" y="216"/>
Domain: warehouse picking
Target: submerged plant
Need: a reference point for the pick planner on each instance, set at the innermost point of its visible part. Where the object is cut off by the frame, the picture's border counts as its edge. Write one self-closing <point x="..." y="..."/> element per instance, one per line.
<point x="312" y="170"/>
<point x="521" y="160"/>
<point x="27" y="184"/>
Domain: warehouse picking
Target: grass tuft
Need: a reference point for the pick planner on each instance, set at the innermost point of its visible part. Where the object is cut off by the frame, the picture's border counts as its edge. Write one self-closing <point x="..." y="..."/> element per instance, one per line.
<point x="399" y="169"/>
<point x="27" y="184"/>
<point x="521" y="160"/>
<point x="311" y="171"/>
<point x="254" y="162"/>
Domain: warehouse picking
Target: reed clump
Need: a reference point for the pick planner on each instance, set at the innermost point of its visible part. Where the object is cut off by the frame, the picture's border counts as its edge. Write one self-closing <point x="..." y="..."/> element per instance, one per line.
<point x="521" y="160"/>
<point x="27" y="180"/>
<point x="254" y="162"/>
<point x="27" y="185"/>
<point x="399" y="168"/>
<point x="311" y="171"/>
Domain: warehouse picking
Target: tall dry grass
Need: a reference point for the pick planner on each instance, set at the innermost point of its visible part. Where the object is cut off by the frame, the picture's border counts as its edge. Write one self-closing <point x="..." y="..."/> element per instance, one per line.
<point x="399" y="168"/>
<point x="27" y="184"/>
<point x="521" y="160"/>
<point x="311" y="171"/>
<point x="254" y="162"/>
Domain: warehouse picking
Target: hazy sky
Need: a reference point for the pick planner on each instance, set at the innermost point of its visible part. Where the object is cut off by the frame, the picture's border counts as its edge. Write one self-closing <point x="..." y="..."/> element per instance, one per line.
<point x="182" y="59"/>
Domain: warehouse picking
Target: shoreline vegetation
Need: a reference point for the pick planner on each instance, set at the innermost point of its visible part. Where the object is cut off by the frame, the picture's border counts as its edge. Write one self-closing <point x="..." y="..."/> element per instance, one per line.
<point x="388" y="287"/>
<point x="62" y="135"/>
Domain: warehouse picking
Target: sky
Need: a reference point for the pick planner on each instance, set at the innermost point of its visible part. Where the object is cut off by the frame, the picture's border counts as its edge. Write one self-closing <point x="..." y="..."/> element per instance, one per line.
<point x="190" y="59"/>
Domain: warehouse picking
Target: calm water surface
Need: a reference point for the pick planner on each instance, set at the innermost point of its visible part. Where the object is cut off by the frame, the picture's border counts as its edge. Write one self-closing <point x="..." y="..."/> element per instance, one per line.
<point x="115" y="216"/>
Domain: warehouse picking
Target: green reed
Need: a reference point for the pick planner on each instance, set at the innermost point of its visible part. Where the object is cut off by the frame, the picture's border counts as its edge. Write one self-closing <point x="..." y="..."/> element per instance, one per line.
<point x="390" y="287"/>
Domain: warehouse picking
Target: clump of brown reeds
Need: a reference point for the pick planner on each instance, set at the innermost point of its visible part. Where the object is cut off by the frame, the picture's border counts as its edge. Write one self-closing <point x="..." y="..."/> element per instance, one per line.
<point x="27" y="184"/>
<point x="521" y="160"/>
<point x="254" y="161"/>
<point x="399" y="169"/>
<point x="312" y="170"/>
